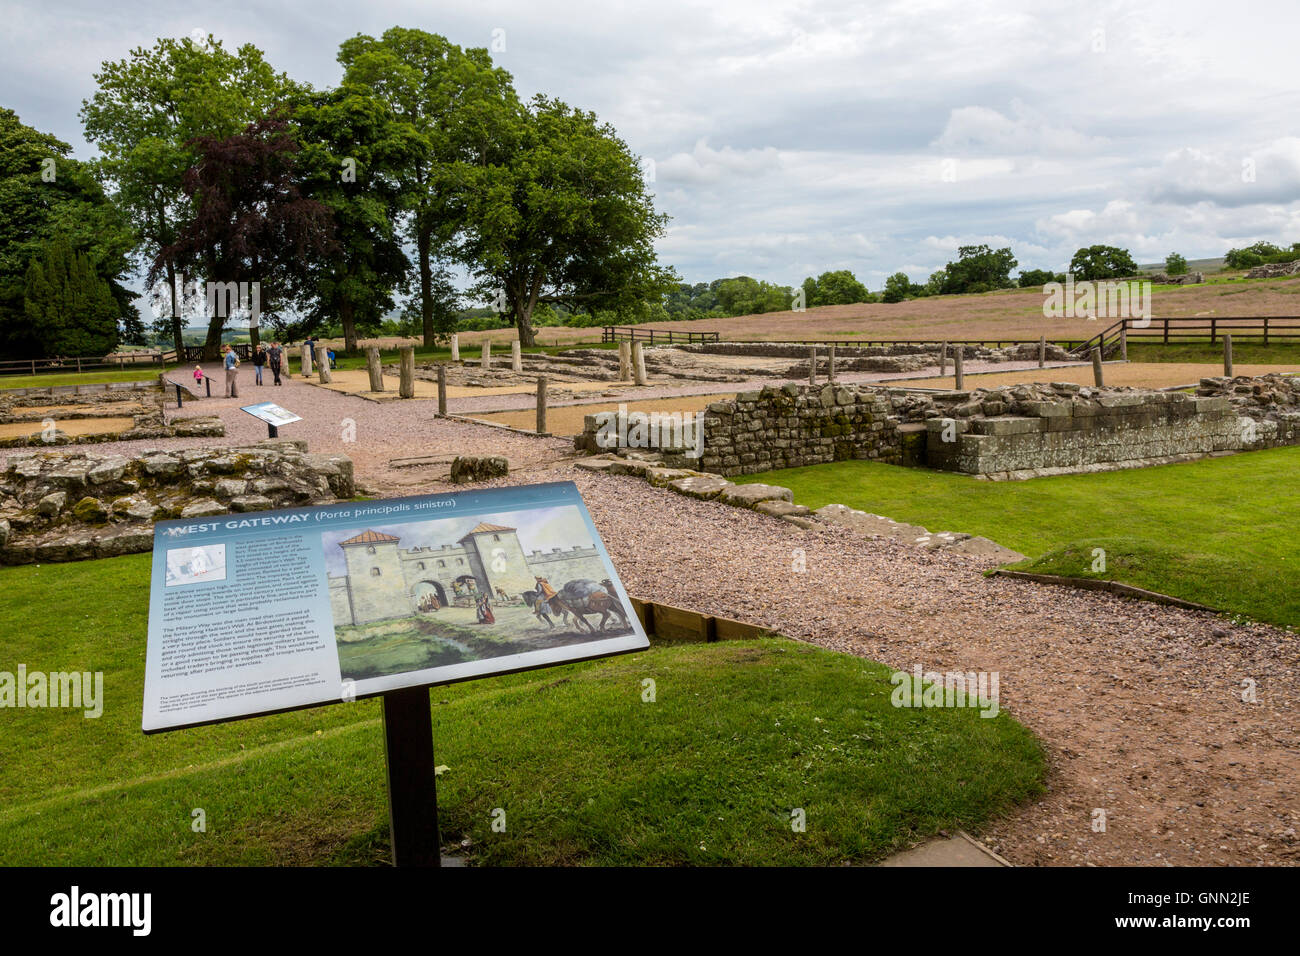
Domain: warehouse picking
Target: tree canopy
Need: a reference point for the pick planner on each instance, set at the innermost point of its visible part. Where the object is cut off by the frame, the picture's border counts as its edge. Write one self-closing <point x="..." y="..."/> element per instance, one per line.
<point x="55" y="212"/>
<point x="1102" y="262"/>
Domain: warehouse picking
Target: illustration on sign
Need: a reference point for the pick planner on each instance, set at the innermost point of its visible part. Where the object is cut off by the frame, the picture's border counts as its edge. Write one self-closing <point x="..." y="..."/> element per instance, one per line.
<point x="270" y="611"/>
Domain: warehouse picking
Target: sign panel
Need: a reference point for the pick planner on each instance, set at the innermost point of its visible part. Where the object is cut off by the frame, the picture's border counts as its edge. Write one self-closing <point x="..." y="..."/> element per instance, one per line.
<point x="267" y="611"/>
<point x="271" y="413"/>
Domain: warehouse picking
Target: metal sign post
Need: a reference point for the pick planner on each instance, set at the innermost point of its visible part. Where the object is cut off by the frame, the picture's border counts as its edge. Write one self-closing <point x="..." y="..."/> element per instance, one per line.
<point x="412" y="786"/>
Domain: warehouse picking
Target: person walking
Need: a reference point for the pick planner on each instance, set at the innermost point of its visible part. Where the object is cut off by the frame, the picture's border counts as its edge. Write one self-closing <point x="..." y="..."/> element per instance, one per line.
<point x="276" y="356"/>
<point x="231" y="363"/>
<point x="259" y="360"/>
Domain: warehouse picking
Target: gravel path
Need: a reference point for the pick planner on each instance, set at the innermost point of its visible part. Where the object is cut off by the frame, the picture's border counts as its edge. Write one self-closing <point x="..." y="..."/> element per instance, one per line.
<point x="1139" y="705"/>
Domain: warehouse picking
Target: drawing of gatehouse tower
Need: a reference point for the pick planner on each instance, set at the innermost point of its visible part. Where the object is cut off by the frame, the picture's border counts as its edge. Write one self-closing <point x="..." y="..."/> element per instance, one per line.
<point x="384" y="580"/>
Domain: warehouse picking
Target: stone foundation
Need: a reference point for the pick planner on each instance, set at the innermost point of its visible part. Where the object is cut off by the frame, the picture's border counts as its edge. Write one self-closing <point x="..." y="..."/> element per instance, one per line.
<point x="142" y="403"/>
<point x="1020" y="431"/>
<point x="67" y="506"/>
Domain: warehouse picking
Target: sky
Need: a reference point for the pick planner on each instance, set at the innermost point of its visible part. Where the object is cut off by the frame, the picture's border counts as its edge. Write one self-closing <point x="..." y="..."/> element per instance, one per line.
<point x="787" y="139"/>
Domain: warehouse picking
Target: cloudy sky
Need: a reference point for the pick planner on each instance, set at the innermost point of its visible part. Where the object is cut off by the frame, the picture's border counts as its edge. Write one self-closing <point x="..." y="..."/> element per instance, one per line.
<point x="789" y="138"/>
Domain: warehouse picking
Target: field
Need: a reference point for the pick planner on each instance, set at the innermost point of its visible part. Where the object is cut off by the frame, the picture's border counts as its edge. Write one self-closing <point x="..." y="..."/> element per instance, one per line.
<point x="1219" y="531"/>
<point x="1010" y="314"/>
<point x="585" y="769"/>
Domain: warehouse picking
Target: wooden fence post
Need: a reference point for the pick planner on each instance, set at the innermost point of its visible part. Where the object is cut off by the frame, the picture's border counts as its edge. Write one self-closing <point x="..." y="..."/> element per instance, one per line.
<point x="455" y="347"/>
<point x="638" y="363"/>
<point x="1227" y="355"/>
<point x="943" y="359"/>
<point x="375" y="369"/>
<point x="406" y="386"/>
<point x="1096" y="367"/>
<point x="625" y="361"/>
<point x="830" y="364"/>
<point x="812" y="366"/>
<point x="516" y="358"/>
<point x="442" y="389"/>
<point x="958" y="369"/>
<point x="541" y="404"/>
<point x="487" y="353"/>
<point x="1042" y="351"/>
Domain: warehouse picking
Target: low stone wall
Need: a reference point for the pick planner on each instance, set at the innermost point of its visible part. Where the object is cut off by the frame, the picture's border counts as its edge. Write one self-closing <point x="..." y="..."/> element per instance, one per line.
<point x="66" y="506"/>
<point x="1020" y="431"/>
<point x="1086" y="432"/>
<point x="143" y="404"/>
<point x="922" y="354"/>
<point x="1274" y="270"/>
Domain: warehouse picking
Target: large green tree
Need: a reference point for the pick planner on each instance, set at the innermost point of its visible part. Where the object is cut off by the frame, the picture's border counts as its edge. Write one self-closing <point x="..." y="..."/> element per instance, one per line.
<point x="840" y="287"/>
<point x="1102" y="262"/>
<point x="559" y="213"/>
<point x="450" y="105"/>
<point x="47" y="196"/>
<point x="69" y="305"/>
<point x="147" y="117"/>
<point x="354" y="153"/>
<point x="979" y="269"/>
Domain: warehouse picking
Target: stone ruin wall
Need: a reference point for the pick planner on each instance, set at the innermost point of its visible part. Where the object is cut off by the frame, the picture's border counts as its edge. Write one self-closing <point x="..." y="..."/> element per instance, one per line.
<point x="143" y="403"/>
<point x="67" y="506"/>
<point x="1017" y="431"/>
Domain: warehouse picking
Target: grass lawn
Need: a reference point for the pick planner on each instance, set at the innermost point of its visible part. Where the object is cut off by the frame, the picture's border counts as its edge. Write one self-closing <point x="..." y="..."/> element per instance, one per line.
<point x="141" y="373"/>
<point x="1219" y="531"/>
<point x="1245" y="351"/>
<point x="739" y="735"/>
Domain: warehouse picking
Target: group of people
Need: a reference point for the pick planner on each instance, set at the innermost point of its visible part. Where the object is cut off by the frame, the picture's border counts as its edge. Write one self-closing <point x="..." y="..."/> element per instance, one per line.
<point x="262" y="357"/>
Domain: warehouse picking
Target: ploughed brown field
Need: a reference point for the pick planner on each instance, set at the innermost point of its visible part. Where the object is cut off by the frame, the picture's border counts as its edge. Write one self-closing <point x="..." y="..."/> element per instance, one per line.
<point x="1009" y="314"/>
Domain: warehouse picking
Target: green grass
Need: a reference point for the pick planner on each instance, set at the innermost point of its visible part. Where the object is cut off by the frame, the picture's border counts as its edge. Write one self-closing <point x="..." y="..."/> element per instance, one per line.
<point x="141" y="373"/>
<point x="739" y="735"/>
<point x="1219" y="531"/>
<point x="1245" y="351"/>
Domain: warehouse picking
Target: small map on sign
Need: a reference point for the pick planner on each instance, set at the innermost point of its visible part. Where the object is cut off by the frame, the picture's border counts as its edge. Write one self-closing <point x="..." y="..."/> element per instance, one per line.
<point x="271" y="413"/>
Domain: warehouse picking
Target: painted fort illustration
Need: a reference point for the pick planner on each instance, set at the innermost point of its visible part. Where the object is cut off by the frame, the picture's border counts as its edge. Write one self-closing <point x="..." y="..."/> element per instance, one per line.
<point x="385" y="580"/>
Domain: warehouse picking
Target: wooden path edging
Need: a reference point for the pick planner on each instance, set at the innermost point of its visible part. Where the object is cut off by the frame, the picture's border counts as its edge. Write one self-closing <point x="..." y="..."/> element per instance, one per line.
<point x="1114" y="587"/>
<point x="674" y="624"/>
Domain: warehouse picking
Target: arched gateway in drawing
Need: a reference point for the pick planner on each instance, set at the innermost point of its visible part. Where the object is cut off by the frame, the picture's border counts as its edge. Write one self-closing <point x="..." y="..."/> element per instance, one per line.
<point x="385" y="581"/>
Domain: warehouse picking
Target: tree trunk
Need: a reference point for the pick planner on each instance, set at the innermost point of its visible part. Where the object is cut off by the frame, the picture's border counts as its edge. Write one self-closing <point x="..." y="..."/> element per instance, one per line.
<point x="426" y="282"/>
<point x="178" y="330"/>
<point x="347" y="314"/>
<point x="212" y="344"/>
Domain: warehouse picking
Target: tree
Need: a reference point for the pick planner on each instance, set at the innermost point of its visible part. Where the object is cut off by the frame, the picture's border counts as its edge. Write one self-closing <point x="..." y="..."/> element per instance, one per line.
<point x="979" y="269"/>
<point x="747" y="296"/>
<point x="70" y="307"/>
<point x="45" y="196"/>
<point x="1175" y="265"/>
<point x="1102" y="262"/>
<point x="450" y="104"/>
<point x="353" y="151"/>
<point x="147" y="115"/>
<point x="250" y="222"/>
<point x="1260" y="253"/>
<point x="897" y="287"/>
<point x="558" y="212"/>
<point x="837" y="288"/>
<point x="1036" y="277"/>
